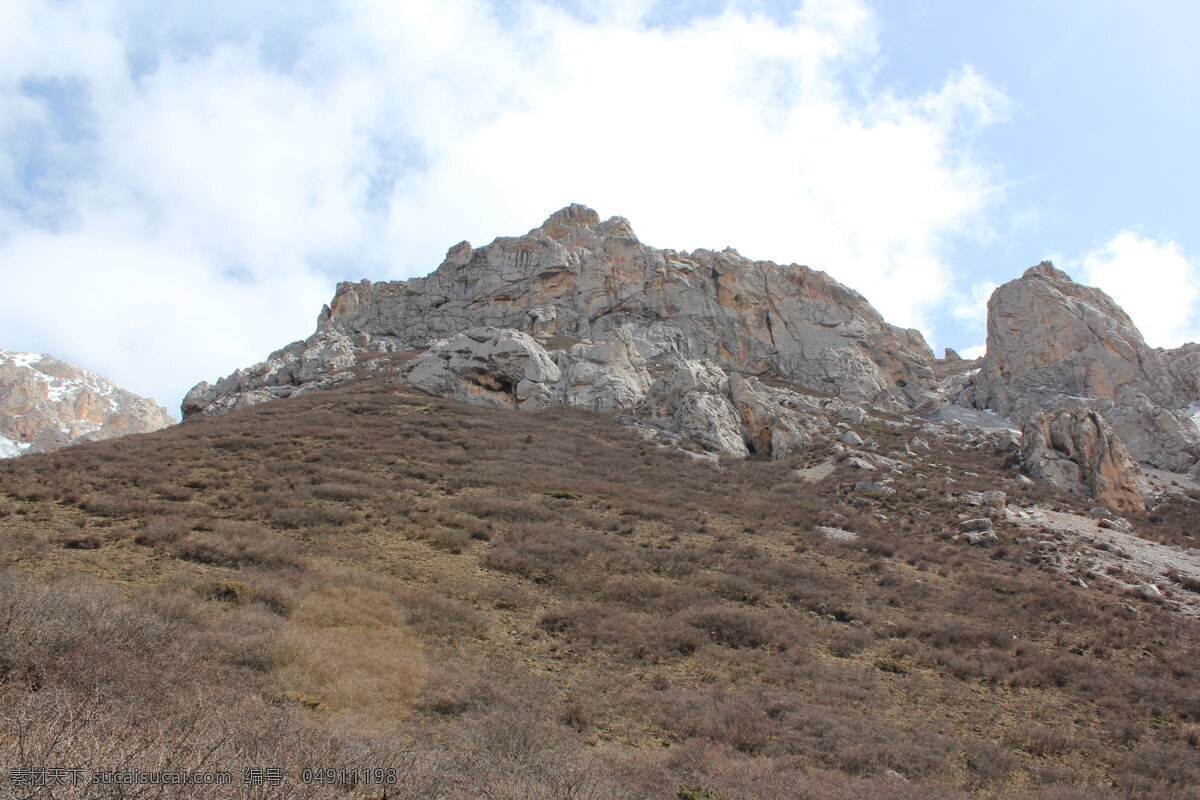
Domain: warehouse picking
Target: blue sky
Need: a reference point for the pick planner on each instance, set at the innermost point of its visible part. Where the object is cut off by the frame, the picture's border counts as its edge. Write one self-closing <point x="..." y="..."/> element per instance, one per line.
<point x="182" y="185"/>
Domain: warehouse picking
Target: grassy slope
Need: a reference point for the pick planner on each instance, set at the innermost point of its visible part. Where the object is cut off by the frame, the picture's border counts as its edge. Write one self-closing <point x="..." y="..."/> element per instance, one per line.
<point x="576" y="614"/>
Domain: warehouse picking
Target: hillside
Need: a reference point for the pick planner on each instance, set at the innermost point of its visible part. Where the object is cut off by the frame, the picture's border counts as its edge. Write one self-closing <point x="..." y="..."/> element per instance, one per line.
<point x="547" y="604"/>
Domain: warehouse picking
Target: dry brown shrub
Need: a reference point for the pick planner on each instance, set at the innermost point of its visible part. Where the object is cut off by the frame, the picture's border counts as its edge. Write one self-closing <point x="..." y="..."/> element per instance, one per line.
<point x="236" y="544"/>
<point x="732" y="627"/>
<point x="640" y="636"/>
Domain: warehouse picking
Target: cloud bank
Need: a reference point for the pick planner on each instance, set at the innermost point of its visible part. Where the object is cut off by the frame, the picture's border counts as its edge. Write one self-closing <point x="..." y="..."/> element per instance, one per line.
<point x="1154" y="281"/>
<point x="180" y="187"/>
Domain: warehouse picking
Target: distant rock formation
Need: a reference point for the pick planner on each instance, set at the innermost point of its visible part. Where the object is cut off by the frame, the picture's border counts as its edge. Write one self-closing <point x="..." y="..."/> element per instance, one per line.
<point x="46" y="404"/>
<point x="1055" y="345"/>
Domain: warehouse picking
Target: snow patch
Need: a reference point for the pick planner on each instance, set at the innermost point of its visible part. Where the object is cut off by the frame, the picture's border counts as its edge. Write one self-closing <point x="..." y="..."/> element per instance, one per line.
<point x="19" y="358"/>
<point x="974" y="418"/>
<point x="10" y="448"/>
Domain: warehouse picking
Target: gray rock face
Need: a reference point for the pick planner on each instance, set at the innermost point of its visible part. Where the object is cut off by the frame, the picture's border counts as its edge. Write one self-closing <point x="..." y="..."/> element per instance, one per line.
<point x="1050" y="338"/>
<point x="46" y="404"/>
<point x="320" y="361"/>
<point x="578" y="277"/>
<point x="1075" y="449"/>
<point x="487" y="366"/>
<point x="773" y="422"/>
<point x="693" y="401"/>
<point x="696" y="400"/>
<point x="609" y="376"/>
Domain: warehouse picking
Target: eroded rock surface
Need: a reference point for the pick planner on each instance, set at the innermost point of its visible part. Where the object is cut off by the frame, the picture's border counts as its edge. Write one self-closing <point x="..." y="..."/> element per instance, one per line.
<point x="1075" y="449"/>
<point x="696" y="400"/>
<point x="46" y="404"/>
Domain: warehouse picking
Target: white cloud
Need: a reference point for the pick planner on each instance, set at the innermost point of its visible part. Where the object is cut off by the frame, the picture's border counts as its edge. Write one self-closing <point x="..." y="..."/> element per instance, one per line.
<point x="1154" y="281"/>
<point x="235" y="172"/>
<point x="971" y="307"/>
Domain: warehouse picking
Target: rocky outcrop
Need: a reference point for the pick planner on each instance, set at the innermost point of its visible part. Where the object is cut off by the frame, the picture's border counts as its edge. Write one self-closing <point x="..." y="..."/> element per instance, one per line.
<point x="608" y="376"/>
<point x="579" y="311"/>
<point x="46" y="404"/>
<point x="321" y="361"/>
<point x="578" y="278"/>
<point x="692" y="400"/>
<point x="698" y="401"/>
<point x="488" y="366"/>
<point x="1051" y="339"/>
<point x="1075" y="449"/>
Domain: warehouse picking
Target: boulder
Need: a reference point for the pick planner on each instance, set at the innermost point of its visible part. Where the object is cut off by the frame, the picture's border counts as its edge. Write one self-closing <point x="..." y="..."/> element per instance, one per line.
<point x="874" y="488"/>
<point x="1148" y="591"/>
<point x="851" y="438"/>
<point x="995" y="499"/>
<point x="1074" y="449"/>
<point x="487" y="366"/>
<point x="692" y="400"/>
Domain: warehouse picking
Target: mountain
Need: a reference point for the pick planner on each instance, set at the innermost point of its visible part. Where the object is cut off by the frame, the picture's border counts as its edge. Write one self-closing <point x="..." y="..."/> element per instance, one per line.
<point x="578" y="280"/>
<point x="46" y="404"/>
<point x="733" y="357"/>
<point x="574" y="517"/>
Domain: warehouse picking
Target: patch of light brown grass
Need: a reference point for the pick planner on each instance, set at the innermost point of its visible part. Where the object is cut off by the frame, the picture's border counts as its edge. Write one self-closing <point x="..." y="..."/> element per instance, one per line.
<point x="346" y="652"/>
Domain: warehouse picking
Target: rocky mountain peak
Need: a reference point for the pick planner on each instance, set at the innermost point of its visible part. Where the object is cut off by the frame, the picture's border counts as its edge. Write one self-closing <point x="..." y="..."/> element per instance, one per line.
<point x="579" y="280"/>
<point x="46" y="404"/>
<point x="575" y="219"/>
<point x="1046" y="269"/>
<point x="564" y="221"/>
<point x="1045" y="330"/>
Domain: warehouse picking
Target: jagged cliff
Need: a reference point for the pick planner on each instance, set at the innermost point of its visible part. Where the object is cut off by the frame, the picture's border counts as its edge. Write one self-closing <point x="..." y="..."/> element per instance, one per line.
<point x="46" y="404"/>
